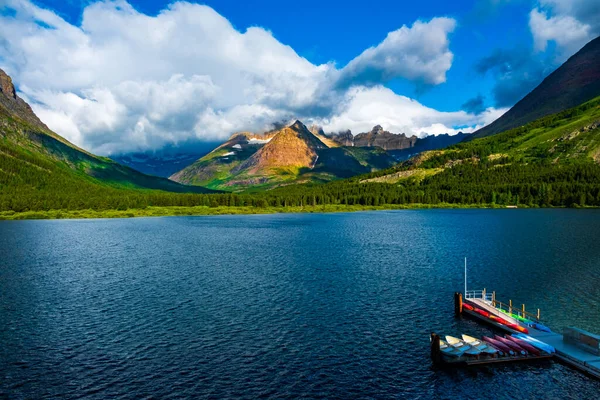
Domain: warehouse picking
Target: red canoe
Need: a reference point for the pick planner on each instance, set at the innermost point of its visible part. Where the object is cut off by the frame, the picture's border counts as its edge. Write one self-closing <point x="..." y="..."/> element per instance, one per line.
<point x="495" y="318"/>
<point x="522" y="329"/>
<point x="511" y="325"/>
<point x="482" y="312"/>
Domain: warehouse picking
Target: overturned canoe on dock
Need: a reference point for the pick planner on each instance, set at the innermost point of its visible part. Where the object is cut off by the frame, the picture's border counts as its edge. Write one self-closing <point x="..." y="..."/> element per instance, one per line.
<point x="478" y="344"/>
<point x="467" y="349"/>
<point x="471" y="351"/>
<point x="448" y="350"/>
<point x="513" y="345"/>
<point x="499" y="345"/>
<point x="531" y="349"/>
<point x="534" y="342"/>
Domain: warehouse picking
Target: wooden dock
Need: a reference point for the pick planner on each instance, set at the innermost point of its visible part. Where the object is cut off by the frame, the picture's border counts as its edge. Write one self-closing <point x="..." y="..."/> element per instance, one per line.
<point x="568" y="353"/>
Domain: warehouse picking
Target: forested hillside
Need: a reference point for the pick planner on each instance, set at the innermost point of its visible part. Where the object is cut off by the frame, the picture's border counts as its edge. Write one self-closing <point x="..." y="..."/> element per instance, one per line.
<point x="39" y="169"/>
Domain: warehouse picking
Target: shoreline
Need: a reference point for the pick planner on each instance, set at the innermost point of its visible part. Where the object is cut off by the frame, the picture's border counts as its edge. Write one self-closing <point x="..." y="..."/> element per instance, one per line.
<point x="224" y="210"/>
<point x="178" y="211"/>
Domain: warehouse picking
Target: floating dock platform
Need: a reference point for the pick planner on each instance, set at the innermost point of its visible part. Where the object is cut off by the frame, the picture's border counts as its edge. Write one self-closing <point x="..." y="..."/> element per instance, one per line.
<point x="464" y="361"/>
<point x="576" y="348"/>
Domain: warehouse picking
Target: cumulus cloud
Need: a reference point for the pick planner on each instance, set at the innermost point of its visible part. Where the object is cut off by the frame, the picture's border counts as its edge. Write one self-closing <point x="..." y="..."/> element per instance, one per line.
<point x="420" y="52"/>
<point x="568" y="33"/>
<point x="131" y="114"/>
<point x="559" y="29"/>
<point x="124" y="81"/>
<point x="586" y="11"/>
<point x="568" y="23"/>
<point x="366" y="107"/>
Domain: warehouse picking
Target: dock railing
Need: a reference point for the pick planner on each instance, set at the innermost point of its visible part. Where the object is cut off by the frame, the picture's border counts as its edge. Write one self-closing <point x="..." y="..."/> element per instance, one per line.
<point x="521" y="312"/>
<point x="491" y="299"/>
<point x="479" y="294"/>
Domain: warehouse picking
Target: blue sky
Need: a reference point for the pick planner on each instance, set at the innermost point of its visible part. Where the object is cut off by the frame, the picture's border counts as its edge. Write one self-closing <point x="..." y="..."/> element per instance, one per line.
<point x="480" y="57"/>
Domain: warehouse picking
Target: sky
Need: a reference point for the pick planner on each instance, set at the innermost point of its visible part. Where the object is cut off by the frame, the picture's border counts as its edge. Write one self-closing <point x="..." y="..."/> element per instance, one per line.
<point x="116" y="77"/>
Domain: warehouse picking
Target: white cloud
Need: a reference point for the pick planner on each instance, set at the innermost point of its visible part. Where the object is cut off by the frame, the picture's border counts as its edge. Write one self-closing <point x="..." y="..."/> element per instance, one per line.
<point x="125" y="81"/>
<point x="586" y="11"/>
<point x="420" y="52"/>
<point x="568" y="33"/>
<point x="366" y="107"/>
<point x="569" y="23"/>
<point x="131" y="115"/>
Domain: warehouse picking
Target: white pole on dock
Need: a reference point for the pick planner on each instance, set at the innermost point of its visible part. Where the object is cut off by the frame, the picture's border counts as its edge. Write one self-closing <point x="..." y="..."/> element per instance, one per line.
<point x="465" y="277"/>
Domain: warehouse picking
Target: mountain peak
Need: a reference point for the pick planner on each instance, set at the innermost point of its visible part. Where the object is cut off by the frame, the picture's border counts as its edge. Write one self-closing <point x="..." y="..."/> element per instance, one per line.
<point x="298" y="125"/>
<point x="6" y="85"/>
<point x="377" y="129"/>
<point x="15" y="105"/>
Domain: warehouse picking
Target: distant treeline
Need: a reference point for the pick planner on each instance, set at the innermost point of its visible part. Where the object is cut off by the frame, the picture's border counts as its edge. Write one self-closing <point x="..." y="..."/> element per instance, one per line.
<point x="542" y="184"/>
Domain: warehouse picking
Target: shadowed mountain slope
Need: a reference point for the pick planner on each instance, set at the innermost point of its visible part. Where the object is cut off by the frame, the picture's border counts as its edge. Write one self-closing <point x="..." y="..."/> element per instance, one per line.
<point x="32" y="157"/>
<point x="573" y="83"/>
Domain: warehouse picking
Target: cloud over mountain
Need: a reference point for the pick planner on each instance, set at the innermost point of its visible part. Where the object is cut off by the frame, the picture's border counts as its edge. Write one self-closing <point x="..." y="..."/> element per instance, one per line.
<point x="125" y="81"/>
<point x="366" y="107"/>
<point x="558" y="29"/>
<point x="568" y="23"/>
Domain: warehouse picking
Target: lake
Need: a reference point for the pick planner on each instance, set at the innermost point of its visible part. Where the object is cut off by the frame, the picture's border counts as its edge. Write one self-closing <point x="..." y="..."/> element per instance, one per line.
<point x="288" y="305"/>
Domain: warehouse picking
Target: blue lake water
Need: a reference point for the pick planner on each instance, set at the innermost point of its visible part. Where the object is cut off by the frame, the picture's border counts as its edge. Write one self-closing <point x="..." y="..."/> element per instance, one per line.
<point x="288" y="306"/>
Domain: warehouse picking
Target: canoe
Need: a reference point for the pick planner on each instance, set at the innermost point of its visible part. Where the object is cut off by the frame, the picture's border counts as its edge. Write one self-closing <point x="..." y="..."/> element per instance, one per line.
<point x="499" y="345"/>
<point x="466" y="348"/>
<point x="518" y="349"/>
<point x="522" y="319"/>
<point x="482" y="312"/>
<point x="541" y="327"/>
<point x="498" y="319"/>
<point x="526" y="321"/>
<point x="517" y="327"/>
<point x="468" y="306"/>
<point x="508" y="324"/>
<point x="448" y="350"/>
<point x="459" y="344"/>
<point x="521" y="329"/>
<point x="515" y="316"/>
<point x="531" y="349"/>
<point x="536" y="343"/>
<point x="478" y="344"/>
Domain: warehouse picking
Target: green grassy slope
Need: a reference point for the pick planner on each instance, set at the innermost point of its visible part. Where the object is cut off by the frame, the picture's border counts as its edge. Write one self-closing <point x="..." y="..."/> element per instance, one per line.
<point x="553" y="161"/>
<point x="23" y="144"/>
<point x="571" y="136"/>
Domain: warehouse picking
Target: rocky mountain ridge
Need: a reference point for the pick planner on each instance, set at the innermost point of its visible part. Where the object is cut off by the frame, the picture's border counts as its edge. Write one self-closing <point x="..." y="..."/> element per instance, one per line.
<point x="16" y="105"/>
<point x="292" y="154"/>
